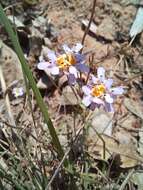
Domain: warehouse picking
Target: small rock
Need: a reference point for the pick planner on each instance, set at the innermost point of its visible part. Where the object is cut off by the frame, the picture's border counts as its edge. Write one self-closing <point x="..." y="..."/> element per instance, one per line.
<point x="102" y="123"/>
<point x="10" y="64"/>
<point x="93" y="27"/>
<point x="106" y="29"/>
<point x="68" y="97"/>
<point x="123" y="136"/>
<point x="48" y="43"/>
<point x="134" y="107"/>
<point x="44" y="82"/>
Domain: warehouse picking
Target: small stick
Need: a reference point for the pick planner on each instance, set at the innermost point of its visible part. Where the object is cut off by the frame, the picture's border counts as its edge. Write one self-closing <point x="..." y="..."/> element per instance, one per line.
<point x="11" y="6"/>
<point x="57" y="170"/>
<point x="88" y="27"/>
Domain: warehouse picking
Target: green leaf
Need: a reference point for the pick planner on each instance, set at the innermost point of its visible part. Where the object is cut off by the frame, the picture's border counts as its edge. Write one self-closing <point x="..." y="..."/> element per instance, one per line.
<point x="137" y="25"/>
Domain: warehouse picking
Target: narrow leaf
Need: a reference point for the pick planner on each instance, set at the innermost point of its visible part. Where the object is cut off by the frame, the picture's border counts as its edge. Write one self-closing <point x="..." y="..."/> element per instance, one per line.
<point x="137" y="25"/>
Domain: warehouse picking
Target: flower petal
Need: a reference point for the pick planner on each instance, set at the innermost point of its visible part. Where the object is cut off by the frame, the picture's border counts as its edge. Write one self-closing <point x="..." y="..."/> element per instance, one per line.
<point x="101" y="73"/>
<point x="77" y="48"/>
<point x="86" y="100"/>
<point x="79" y="57"/>
<point x="97" y="100"/>
<point x="94" y="79"/>
<point x="71" y="79"/>
<point x="109" y="107"/>
<point x="67" y="49"/>
<point x="86" y="90"/>
<point x="73" y="71"/>
<point x="54" y="70"/>
<point x="108" y="83"/>
<point x="117" y="90"/>
<point x="52" y="56"/>
<point x="82" y="67"/>
<point x="43" y="65"/>
<point x="93" y="106"/>
<point x="108" y="99"/>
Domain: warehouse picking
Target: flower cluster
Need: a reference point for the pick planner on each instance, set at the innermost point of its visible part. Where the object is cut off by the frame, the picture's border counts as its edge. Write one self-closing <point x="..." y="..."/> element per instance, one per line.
<point x="97" y="92"/>
<point x="70" y="63"/>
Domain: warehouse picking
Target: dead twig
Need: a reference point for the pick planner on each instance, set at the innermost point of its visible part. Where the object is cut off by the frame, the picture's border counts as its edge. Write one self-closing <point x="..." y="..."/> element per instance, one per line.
<point x="57" y="170"/>
<point x="13" y="5"/>
<point x="88" y="27"/>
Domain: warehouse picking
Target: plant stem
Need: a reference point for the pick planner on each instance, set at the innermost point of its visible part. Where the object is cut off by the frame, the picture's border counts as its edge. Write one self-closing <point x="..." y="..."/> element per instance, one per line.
<point x="88" y="27"/>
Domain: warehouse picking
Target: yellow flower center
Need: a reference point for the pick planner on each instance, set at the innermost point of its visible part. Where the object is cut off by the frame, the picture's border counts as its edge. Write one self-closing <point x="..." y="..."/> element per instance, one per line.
<point x="65" y="60"/>
<point x="98" y="90"/>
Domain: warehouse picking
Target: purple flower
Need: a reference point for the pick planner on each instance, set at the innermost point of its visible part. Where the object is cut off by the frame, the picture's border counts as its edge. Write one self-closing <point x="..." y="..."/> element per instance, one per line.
<point x="99" y="91"/>
<point x="71" y="63"/>
<point x="17" y="92"/>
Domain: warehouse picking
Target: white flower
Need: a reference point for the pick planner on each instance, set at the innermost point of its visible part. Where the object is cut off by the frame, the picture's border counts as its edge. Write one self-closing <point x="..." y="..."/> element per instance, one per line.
<point x="17" y="92"/>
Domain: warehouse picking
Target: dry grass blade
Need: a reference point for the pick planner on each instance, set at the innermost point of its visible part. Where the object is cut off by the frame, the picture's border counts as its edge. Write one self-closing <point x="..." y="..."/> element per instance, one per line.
<point x="126" y="180"/>
<point x="7" y="101"/>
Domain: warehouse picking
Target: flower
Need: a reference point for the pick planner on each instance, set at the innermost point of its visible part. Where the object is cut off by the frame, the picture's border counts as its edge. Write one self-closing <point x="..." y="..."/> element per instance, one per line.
<point x="71" y="63"/>
<point x="99" y="91"/>
<point x="17" y="92"/>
